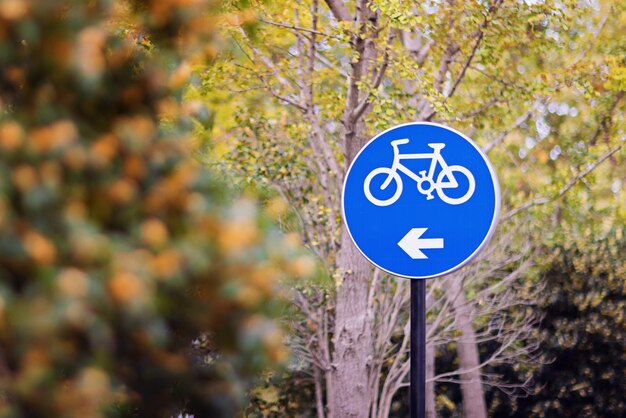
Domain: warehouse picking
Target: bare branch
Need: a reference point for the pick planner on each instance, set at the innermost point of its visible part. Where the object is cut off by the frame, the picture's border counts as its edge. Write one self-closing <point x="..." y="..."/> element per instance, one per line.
<point x="468" y="61"/>
<point x="329" y="64"/>
<point x="413" y="43"/>
<point x="479" y="37"/>
<point x="299" y="29"/>
<point x="518" y="122"/>
<point x="319" y="401"/>
<point x="547" y="199"/>
<point x="287" y="100"/>
<point x="452" y="50"/>
<point x="480" y="109"/>
<point x="272" y="68"/>
<point x="428" y="112"/>
<point x="506" y="83"/>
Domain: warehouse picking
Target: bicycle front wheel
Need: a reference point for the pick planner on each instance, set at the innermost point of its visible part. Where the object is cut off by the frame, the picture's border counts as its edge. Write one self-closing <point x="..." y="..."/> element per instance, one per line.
<point x="396" y="182"/>
<point x="463" y="178"/>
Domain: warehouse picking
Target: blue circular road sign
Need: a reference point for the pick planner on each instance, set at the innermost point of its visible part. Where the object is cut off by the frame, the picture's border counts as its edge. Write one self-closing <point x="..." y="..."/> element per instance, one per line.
<point x="420" y="200"/>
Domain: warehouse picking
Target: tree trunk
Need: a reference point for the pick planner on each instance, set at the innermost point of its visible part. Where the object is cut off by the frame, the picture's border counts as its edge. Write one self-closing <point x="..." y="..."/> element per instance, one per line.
<point x="353" y="337"/>
<point x="353" y="334"/>
<point x="467" y="350"/>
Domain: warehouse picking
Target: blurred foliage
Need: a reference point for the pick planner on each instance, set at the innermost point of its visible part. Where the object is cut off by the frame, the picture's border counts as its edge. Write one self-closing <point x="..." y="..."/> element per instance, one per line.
<point x="289" y="393"/>
<point x="584" y="330"/>
<point x="132" y="282"/>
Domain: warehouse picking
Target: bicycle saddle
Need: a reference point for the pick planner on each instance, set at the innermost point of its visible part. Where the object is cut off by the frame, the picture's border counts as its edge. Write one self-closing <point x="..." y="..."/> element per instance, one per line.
<point x="437" y="146"/>
<point x="399" y="142"/>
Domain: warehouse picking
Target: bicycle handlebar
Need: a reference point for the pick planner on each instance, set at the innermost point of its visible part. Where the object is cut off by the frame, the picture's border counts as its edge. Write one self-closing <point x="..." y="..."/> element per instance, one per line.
<point x="399" y="142"/>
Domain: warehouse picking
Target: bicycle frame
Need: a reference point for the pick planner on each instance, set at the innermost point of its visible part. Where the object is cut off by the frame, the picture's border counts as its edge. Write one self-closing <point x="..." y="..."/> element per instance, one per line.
<point x="435" y="158"/>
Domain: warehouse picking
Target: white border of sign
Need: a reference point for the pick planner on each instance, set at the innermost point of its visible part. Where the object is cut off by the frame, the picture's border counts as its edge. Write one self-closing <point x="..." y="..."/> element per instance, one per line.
<point x="494" y="221"/>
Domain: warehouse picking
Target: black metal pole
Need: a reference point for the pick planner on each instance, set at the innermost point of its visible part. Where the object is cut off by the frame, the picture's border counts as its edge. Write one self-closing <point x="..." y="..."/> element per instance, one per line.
<point x="418" y="348"/>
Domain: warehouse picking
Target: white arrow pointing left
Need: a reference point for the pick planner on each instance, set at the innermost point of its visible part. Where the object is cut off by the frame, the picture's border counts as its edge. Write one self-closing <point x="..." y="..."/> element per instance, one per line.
<point x="413" y="245"/>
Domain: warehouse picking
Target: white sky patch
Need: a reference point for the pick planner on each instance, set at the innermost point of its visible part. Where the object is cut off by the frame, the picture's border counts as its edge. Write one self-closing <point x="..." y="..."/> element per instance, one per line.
<point x="552" y="34"/>
<point x="430" y="7"/>
<point x="563" y="109"/>
<point x="555" y="152"/>
<point x="522" y="153"/>
<point x="594" y="3"/>
<point x="543" y="129"/>
<point x="552" y="107"/>
<point x="323" y="46"/>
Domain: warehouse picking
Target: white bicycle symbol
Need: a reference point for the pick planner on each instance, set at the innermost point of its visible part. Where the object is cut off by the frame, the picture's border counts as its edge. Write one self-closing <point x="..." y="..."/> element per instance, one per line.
<point x="425" y="183"/>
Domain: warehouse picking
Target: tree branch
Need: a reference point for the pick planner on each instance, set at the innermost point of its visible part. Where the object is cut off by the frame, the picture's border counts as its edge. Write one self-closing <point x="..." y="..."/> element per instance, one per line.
<point x="479" y="38"/>
<point x="547" y="199"/>
<point x="339" y="10"/>
<point x="299" y="28"/>
<point x="518" y="122"/>
<point x="450" y="52"/>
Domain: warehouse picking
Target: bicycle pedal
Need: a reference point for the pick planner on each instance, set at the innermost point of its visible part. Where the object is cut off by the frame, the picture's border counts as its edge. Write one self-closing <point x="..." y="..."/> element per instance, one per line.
<point x="423" y="173"/>
<point x="430" y="197"/>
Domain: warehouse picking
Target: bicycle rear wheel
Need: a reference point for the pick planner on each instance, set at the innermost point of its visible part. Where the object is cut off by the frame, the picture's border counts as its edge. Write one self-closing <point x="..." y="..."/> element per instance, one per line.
<point x="388" y="172"/>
